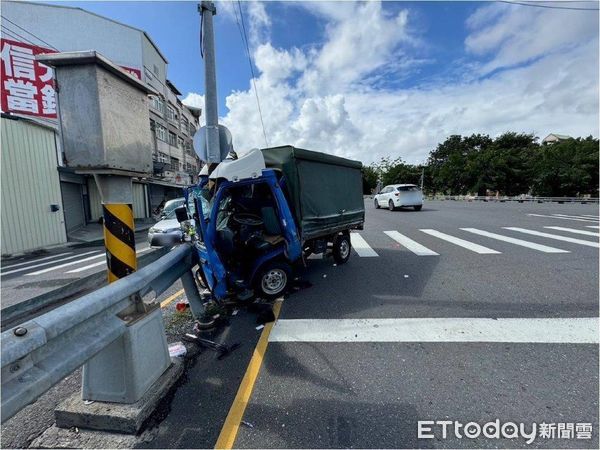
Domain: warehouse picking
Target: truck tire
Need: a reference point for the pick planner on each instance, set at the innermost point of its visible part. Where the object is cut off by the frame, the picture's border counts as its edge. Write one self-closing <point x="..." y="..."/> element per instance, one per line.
<point x="418" y="207"/>
<point x="272" y="279"/>
<point x="341" y="248"/>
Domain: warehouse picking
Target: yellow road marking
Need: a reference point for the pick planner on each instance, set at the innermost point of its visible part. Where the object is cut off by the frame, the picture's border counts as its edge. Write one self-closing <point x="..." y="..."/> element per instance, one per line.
<point x="171" y="298"/>
<point x="236" y="412"/>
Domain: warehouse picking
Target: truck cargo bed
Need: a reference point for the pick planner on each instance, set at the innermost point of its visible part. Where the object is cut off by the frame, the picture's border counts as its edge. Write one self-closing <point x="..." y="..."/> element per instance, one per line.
<point x="324" y="191"/>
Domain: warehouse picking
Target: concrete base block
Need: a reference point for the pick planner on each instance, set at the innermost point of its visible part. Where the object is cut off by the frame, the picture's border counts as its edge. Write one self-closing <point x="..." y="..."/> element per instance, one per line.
<point x="122" y="418"/>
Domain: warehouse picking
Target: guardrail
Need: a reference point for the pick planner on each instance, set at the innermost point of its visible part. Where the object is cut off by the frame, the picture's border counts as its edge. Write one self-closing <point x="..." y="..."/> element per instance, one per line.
<point x="42" y="351"/>
<point x="518" y="199"/>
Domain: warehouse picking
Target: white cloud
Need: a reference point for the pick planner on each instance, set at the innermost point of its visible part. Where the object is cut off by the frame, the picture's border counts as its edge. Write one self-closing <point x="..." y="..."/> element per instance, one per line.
<point x="327" y="98"/>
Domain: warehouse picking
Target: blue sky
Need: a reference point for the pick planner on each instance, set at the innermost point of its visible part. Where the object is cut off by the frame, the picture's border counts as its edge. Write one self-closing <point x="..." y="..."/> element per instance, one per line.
<point x="174" y="26"/>
<point x="367" y="80"/>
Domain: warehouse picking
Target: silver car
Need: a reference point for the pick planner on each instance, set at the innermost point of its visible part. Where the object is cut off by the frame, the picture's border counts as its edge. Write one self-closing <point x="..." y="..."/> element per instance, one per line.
<point x="168" y="231"/>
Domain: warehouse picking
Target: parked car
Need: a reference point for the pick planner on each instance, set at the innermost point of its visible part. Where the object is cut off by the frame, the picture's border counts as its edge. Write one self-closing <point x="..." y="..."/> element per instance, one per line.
<point x="168" y="231"/>
<point x="170" y="206"/>
<point x="399" y="195"/>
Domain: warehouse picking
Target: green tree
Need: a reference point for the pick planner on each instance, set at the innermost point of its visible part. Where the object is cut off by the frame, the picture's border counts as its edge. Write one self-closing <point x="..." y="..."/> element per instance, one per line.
<point x="370" y="177"/>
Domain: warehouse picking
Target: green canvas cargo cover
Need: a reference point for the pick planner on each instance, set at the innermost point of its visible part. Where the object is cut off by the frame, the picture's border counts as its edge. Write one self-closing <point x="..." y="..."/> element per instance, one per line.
<point x="325" y="191"/>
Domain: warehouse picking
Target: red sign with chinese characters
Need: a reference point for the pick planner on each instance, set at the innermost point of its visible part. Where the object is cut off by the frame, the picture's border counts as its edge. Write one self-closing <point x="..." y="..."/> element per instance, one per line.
<point x="28" y="85"/>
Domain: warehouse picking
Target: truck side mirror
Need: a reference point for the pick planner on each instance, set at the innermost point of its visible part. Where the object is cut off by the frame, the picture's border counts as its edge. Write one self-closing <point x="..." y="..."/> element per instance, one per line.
<point x="181" y="214"/>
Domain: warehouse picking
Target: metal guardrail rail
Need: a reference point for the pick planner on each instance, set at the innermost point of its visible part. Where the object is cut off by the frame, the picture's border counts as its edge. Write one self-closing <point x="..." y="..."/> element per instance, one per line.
<point x="518" y="199"/>
<point x="39" y="353"/>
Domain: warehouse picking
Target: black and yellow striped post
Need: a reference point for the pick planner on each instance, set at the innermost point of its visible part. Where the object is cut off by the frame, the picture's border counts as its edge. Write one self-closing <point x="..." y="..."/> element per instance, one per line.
<point x="119" y="240"/>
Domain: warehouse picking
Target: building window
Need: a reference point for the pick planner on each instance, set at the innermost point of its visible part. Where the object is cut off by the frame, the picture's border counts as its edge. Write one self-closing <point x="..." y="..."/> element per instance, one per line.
<point x="192" y="129"/>
<point x="185" y="124"/>
<point x="163" y="158"/>
<point x="172" y="139"/>
<point x="160" y="131"/>
<point x="172" y="114"/>
<point x="157" y="103"/>
<point x="180" y="143"/>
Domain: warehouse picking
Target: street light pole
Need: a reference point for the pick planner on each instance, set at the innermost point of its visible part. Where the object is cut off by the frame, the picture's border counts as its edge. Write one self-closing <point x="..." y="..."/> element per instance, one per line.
<point x="207" y="42"/>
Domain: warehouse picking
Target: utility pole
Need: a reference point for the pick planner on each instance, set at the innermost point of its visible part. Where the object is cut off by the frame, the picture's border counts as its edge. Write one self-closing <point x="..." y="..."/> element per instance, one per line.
<point x="207" y="42"/>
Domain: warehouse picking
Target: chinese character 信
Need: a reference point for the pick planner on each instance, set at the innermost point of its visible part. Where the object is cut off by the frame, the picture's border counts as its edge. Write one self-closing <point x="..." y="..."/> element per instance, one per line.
<point x="565" y="430"/>
<point x="547" y="430"/>
<point x="583" y="430"/>
<point x="18" y="61"/>
<point x="48" y="99"/>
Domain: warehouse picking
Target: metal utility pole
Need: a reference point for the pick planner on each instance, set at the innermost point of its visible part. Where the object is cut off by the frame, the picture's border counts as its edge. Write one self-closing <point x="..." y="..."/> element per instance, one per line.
<point x="207" y="42"/>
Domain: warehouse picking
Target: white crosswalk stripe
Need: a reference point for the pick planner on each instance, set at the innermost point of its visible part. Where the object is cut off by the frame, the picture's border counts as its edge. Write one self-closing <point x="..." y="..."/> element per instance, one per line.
<point x="580" y="219"/>
<point x="411" y="245"/>
<point x="47" y="263"/>
<point x="462" y="243"/>
<point x="72" y="263"/>
<point x="574" y="230"/>
<point x="361" y="246"/>
<point x="90" y="266"/>
<point x="554" y="236"/>
<point x="36" y="260"/>
<point x="573" y="216"/>
<point x="520" y="242"/>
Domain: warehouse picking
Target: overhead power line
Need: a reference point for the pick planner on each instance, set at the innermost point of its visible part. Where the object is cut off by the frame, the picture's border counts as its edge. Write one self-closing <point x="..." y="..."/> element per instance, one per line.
<point x="244" y="37"/>
<point x="537" y="5"/>
<point x="30" y="33"/>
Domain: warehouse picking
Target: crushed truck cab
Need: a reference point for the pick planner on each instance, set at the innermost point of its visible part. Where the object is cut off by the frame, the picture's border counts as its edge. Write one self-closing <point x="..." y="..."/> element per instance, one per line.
<point x="260" y="215"/>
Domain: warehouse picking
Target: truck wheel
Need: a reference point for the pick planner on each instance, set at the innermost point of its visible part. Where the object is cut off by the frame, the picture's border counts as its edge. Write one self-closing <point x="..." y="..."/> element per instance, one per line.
<point x="391" y="206"/>
<point x="272" y="280"/>
<point x="376" y="204"/>
<point x="341" y="248"/>
<point x="418" y="207"/>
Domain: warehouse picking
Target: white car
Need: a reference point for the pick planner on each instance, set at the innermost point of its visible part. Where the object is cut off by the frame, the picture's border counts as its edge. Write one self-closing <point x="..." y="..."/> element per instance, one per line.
<point x="399" y="195"/>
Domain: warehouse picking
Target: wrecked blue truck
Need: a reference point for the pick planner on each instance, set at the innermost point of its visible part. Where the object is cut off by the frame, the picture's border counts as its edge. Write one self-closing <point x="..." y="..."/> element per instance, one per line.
<point x="258" y="217"/>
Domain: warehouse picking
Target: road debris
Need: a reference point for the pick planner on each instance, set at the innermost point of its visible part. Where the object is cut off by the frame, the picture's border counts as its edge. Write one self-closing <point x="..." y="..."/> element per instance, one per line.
<point x="177" y="349"/>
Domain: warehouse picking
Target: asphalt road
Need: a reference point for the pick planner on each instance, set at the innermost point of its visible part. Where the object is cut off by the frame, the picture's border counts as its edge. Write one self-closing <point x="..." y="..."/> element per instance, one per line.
<point x="371" y="394"/>
<point x="36" y="273"/>
<point x="423" y="329"/>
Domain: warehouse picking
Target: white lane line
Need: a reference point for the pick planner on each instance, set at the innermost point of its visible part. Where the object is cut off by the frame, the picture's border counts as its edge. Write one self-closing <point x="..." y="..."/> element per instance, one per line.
<point x="361" y="246"/>
<point x="36" y="260"/>
<point x="72" y="263"/>
<point x="81" y="269"/>
<point x="522" y="243"/>
<point x="462" y="243"/>
<point x="554" y="236"/>
<point x="573" y="216"/>
<point x="590" y="215"/>
<point x="47" y="263"/>
<point x="562" y="218"/>
<point x="583" y="330"/>
<point x="574" y="230"/>
<point x="593" y="226"/>
<point x="413" y="246"/>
